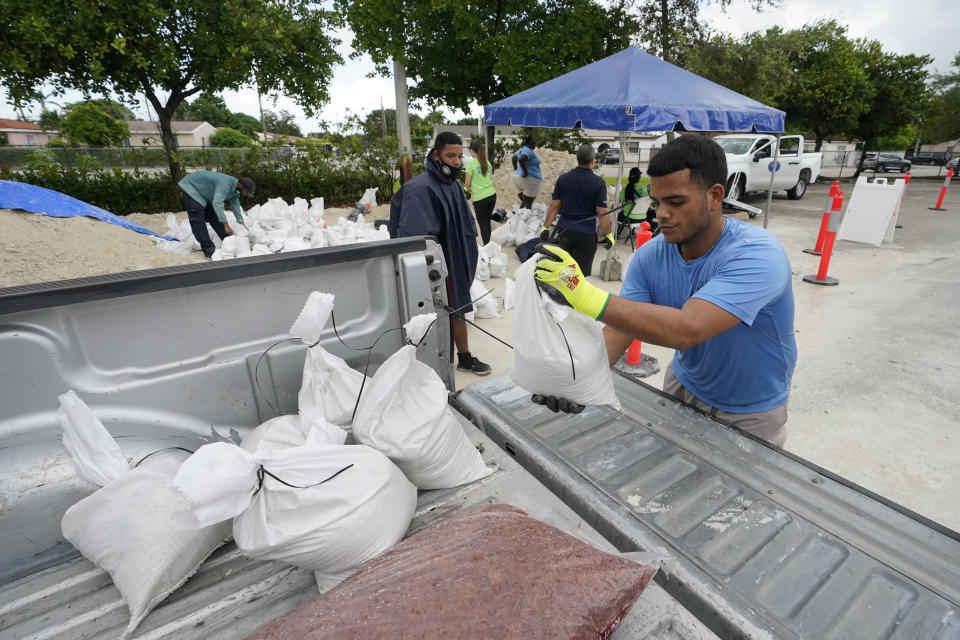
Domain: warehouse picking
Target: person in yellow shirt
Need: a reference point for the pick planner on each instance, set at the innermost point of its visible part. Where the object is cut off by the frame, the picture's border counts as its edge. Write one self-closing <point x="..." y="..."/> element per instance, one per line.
<point x="479" y="186"/>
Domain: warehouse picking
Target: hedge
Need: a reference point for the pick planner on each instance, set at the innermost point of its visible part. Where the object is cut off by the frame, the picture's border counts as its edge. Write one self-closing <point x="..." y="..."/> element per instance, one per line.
<point x="299" y="174"/>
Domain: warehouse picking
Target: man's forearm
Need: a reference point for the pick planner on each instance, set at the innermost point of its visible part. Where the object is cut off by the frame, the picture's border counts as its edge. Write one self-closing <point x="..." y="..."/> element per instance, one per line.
<point x="653" y="323"/>
<point x="552" y="212"/>
<point x="604" y="221"/>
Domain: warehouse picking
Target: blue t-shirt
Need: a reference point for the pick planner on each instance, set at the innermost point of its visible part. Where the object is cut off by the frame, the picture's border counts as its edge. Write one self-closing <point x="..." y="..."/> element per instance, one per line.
<point x="581" y="192"/>
<point x="533" y="163"/>
<point x="747" y="368"/>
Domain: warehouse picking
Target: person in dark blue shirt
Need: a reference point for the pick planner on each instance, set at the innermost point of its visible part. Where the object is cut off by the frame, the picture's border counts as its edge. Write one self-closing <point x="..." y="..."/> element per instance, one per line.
<point x="434" y="204"/>
<point x="717" y="290"/>
<point x="579" y="197"/>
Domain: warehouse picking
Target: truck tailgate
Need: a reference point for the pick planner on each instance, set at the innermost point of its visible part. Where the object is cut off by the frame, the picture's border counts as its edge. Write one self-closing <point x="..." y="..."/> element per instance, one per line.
<point x="232" y="595"/>
<point x="765" y="544"/>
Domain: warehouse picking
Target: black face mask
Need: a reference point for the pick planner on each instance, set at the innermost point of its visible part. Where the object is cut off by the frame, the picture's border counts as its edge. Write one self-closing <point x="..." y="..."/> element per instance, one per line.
<point x="448" y="170"/>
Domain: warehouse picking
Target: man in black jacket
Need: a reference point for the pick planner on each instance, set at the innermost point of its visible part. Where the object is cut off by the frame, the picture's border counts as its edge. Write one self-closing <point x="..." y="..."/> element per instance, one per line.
<point x="434" y="204"/>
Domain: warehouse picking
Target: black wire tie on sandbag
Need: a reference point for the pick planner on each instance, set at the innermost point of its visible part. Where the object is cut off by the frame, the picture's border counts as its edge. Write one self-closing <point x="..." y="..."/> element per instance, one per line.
<point x="262" y="473"/>
<point x="161" y="451"/>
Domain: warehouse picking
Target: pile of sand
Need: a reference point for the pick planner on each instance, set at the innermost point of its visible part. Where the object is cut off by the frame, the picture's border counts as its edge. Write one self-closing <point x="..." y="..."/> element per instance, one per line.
<point x="552" y="165"/>
<point x="38" y="248"/>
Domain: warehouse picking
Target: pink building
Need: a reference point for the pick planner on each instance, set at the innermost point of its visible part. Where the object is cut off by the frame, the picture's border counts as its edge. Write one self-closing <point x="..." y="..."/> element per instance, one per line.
<point x="25" y="134"/>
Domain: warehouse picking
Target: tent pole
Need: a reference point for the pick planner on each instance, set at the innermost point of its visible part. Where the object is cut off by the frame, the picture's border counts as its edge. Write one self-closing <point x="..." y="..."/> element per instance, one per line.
<point x="773" y="172"/>
<point x="491" y="132"/>
<point x="623" y="143"/>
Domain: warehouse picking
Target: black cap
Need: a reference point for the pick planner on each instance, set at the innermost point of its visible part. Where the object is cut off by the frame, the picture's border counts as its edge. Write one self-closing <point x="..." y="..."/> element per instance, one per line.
<point x="248" y="185"/>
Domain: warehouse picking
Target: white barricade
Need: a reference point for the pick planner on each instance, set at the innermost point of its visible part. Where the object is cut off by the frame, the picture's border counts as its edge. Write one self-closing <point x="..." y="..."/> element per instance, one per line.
<point x="871" y="214"/>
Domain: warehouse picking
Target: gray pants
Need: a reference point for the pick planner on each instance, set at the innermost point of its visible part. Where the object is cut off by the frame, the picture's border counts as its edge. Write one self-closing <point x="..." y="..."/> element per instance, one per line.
<point x="769" y="425"/>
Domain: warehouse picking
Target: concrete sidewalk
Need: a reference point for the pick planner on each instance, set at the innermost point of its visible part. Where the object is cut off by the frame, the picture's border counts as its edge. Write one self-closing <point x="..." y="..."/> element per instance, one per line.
<point x="875" y="395"/>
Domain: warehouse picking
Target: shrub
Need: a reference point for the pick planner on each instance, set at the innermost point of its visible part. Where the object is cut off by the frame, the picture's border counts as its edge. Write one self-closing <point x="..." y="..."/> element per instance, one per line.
<point x="87" y="122"/>
<point x="228" y="137"/>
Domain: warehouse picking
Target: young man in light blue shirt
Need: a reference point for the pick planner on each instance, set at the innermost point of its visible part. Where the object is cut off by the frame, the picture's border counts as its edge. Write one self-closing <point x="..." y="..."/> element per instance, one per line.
<point x="526" y="173"/>
<point x="716" y="289"/>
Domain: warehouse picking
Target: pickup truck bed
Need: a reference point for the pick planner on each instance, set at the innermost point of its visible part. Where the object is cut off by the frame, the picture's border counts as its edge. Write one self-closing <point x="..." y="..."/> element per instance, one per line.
<point x="231" y="595"/>
<point x="765" y="544"/>
<point x="760" y="544"/>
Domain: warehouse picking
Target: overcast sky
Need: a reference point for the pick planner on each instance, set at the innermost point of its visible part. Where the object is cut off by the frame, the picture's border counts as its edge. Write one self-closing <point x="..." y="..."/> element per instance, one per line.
<point x="921" y="27"/>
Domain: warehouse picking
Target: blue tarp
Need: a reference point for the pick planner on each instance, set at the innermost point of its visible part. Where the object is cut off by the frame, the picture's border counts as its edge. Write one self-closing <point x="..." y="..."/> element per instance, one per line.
<point x="633" y="91"/>
<point x="19" y="195"/>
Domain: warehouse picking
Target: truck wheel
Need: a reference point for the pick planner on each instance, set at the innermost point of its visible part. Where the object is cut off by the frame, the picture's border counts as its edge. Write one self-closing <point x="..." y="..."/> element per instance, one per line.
<point x="904" y="168"/>
<point x="735" y="189"/>
<point x="798" y="189"/>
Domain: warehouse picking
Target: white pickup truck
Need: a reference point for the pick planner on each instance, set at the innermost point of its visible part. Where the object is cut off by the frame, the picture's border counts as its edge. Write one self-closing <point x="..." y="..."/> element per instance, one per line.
<point x="750" y="161"/>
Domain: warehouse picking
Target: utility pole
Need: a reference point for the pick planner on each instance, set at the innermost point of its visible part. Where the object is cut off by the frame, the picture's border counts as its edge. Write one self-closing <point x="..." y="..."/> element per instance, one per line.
<point x="383" y="117"/>
<point x="263" y="122"/>
<point x="403" y="115"/>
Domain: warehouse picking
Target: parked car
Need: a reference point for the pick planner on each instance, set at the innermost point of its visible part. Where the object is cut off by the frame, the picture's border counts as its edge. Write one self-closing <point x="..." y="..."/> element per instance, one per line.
<point x="930" y="157"/>
<point x="610" y="156"/>
<point x="885" y="162"/>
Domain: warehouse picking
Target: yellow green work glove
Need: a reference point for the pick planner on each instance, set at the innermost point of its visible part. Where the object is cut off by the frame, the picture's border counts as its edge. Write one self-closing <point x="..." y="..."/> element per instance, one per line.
<point x="545" y="234"/>
<point x="563" y="274"/>
<point x="607" y="241"/>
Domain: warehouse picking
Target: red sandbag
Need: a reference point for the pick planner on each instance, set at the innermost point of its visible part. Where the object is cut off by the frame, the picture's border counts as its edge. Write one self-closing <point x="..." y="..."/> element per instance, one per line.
<point x="490" y="571"/>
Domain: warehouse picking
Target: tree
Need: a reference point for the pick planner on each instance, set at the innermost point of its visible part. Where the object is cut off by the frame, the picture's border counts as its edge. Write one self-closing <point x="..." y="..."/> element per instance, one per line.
<point x="89" y="123"/>
<point x="116" y="110"/>
<point x="943" y="122"/>
<point x="670" y="29"/>
<point x="228" y="137"/>
<point x="751" y="65"/>
<point x="458" y="51"/>
<point x="813" y="73"/>
<point x="900" y="97"/>
<point x="49" y="119"/>
<point x="169" y="50"/>
<point x="211" y="108"/>
<point x="827" y="89"/>
<point x="281" y="123"/>
<point x="245" y="123"/>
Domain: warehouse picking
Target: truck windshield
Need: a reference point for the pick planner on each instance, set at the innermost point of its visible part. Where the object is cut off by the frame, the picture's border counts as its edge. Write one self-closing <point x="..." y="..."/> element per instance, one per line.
<point x="736" y="146"/>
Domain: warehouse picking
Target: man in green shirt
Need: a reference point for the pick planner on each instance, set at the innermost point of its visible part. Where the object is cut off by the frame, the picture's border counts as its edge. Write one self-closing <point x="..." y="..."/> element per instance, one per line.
<point x="204" y="193"/>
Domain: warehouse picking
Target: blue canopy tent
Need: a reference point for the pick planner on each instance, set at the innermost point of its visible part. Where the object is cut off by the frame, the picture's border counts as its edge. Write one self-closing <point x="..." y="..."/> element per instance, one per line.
<point x="633" y="91"/>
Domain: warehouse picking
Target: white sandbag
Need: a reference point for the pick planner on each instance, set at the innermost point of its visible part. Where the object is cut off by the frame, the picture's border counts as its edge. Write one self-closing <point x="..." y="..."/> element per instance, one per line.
<point x="218" y="255"/>
<point x="313" y="317"/>
<point x="369" y="199"/>
<point x="403" y="412"/>
<point x="502" y="235"/>
<point x="483" y="265"/>
<point x="294" y="244"/>
<point x="236" y="245"/>
<point x="329" y="384"/>
<point x="308" y="428"/>
<point x="557" y="351"/>
<point x="126" y="527"/>
<point x="510" y="295"/>
<point x="95" y="454"/>
<point x="496" y="260"/>
<point x="260" y="250"/>
<point x="174" y="246"/>
<point x="417" y="327"/>
<point x="484" y="304"/>
<point x="347" y="505"/>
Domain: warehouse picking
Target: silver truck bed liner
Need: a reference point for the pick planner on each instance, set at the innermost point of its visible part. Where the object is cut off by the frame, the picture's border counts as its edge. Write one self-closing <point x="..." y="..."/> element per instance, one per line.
<point x="766" y="545"/>
<point x="232" y="595"/>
